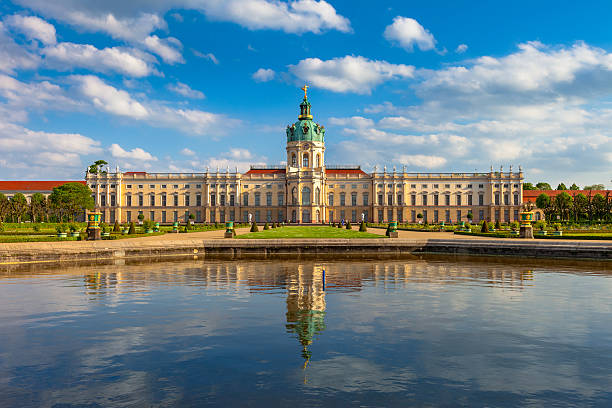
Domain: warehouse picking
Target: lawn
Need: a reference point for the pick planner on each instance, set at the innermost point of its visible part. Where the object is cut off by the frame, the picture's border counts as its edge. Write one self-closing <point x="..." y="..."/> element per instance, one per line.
<point x="308" y="232"/>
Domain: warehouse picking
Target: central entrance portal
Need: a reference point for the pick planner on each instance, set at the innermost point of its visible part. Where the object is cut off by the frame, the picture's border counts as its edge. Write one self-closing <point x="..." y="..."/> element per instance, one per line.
<point x="306" y="217"/>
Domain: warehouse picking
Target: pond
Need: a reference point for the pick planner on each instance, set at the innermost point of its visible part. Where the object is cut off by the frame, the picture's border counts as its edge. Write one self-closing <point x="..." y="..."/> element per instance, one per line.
<point x="433" y="331"/>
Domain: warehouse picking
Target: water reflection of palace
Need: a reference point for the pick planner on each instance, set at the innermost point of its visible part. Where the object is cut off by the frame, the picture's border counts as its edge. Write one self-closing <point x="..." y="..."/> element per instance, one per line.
<point x="306" y="305"/>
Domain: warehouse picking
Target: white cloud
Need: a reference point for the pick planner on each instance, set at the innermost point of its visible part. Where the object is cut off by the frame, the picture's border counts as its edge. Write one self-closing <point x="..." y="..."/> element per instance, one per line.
<point x="407" y="32"/>
<point x="33" y="28"/>
<point x="184" y="89"/>
<point x="13" y="56"/>
<point x="110" y="99"/>
<point x="135" y="154"/>
<point x="461" y="48"/>
<point x="264" y="75"/>
<point x="209" y="56"/>
<point x="298" y="16"/>
<point x="124" y="61"/>
<point x="34" y="154"/>
<point x="349" y="73"/>
<point x="187" y="152"/>
<point x="240" y="154"/>
<point x="167" y="48"/>
<point x="136" y="19"/>
<point x="20" y="96"/>
<point x="421" y="160"/>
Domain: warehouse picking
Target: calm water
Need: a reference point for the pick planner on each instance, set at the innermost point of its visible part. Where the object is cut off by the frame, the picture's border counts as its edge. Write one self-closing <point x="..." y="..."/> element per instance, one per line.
<point x="425" y="332"/>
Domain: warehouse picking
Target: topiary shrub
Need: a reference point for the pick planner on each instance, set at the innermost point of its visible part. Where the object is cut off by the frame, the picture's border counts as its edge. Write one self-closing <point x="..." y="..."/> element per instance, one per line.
<point x="485" y="227"/>
<point x="132" y="229"/>
<point x="362" y="227"/>
<point x="348" y="225"/>
<point x="266" y="226"/>
<point x="388" y="231"/>
<point x="339" y="225"/>
<point x="254" y="227"/>
<point x="497" y="225"/>
<point x="116" y="227"/>
<point x="333" y="224"/>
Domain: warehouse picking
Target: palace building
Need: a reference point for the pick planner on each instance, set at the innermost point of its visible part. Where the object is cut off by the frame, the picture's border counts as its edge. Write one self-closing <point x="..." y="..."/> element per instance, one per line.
<point x="307" y="190"/>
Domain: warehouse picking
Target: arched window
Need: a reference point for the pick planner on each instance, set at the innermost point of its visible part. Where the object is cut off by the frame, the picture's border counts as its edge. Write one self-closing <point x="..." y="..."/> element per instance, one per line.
<point x="306" y="196"/>
<point x="305" y="160"/>
<point x="293" y="160"/>
<point x="318" y="160"/>
<point x="317" y="196"/>
<point x="294" y="196"/>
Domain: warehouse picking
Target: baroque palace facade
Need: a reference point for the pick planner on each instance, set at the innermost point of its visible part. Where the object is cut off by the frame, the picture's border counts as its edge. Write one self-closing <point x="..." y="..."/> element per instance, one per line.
<point x="306" y="190"/>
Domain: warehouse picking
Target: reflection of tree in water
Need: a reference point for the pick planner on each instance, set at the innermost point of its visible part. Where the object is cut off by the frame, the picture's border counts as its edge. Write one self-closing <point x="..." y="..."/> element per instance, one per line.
<point x="305" y="306"/>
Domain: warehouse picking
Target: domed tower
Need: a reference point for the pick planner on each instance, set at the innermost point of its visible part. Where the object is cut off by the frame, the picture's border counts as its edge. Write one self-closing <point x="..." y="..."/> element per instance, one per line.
<point x="305" y="167"/>
<point x="305" y="139"/>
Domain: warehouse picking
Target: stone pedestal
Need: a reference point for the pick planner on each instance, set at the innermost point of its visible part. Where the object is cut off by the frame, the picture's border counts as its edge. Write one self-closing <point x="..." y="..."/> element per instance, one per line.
<point x="526" y="231"/>
<point x="228" y="234"/>
<point x="94" y="234"/>
<point x="393" y="234"/>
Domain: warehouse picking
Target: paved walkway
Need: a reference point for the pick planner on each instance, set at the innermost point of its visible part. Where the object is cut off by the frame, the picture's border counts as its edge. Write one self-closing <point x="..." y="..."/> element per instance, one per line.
<point x="169" y="240"/>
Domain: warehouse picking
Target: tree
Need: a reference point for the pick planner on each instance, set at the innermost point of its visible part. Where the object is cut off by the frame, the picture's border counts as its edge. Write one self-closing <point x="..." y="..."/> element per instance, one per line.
<point x="5" y="207"/>
<point x="579" y="206"/>
<point x="485" y="227"/>
<point x="71" y="199"/>
<point x="19" y="206"/>
<point x="543" y="186"/>
<point x="528" y="186"/>
<point x="574" y="187"/>
<point x="595" y="187"/>
<point x="543" y="203"/>
<point x="561" y="186"/>
<point x="563" y="203"/>
<point x="600" y="205"/>
<point x="38" y="204"/>
<point x="97" y="167"/>
<point x="470" y="216"/>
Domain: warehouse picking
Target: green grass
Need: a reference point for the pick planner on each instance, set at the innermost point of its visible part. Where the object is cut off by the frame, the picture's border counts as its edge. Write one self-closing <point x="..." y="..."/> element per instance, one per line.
<point x="307" y="232"/>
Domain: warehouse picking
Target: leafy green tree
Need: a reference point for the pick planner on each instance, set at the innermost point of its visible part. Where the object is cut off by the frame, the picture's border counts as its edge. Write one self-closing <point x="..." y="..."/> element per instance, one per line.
<point x="529" y="186"/>
<point x="5" y="207"/>
<point x="561" y="186"/>
<point x="563" y="203"/>
<point x="71" y="199"/>
<point x="543" y="203"/>
<point x="600" y="205"/>
<point x="580" y="205"/>
<point x="38" y="203"/>
<point x="574" y="187"/>
<point x="97" y="167"/>
<point x="19" y="206"/>
<point x="595" y="187"/>
<point x="543" y="186"/>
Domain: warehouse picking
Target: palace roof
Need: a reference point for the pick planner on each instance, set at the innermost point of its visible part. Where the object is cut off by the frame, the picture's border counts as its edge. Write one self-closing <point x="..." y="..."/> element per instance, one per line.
<point x="532" y="195"/>
<point x="265" y="171"/>
<point x="33" y="185"/>
<point x="345" y="171"/>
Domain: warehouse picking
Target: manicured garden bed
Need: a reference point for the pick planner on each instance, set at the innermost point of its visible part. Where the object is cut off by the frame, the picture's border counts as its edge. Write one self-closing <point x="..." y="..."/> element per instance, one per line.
<point x="289" y="232"/>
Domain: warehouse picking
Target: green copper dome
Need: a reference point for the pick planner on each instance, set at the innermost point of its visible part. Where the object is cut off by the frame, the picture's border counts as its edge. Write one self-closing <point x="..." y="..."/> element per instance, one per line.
<point x="305" y="129"/>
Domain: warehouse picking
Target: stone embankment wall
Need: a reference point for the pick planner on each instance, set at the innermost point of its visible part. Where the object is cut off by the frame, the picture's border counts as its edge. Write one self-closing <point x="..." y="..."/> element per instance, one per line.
<point x="316" y="247"/>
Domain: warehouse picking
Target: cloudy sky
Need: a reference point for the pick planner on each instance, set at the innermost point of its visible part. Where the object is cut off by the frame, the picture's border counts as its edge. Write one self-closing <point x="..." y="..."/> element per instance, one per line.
<point x="179" y="85"/>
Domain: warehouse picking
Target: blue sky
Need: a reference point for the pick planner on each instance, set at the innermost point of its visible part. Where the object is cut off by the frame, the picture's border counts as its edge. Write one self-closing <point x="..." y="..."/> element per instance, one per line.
<point x="182" y="85"/>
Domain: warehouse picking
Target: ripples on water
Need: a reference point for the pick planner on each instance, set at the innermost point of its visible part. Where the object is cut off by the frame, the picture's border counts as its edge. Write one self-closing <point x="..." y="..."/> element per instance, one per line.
<point x="435" y="331"/>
